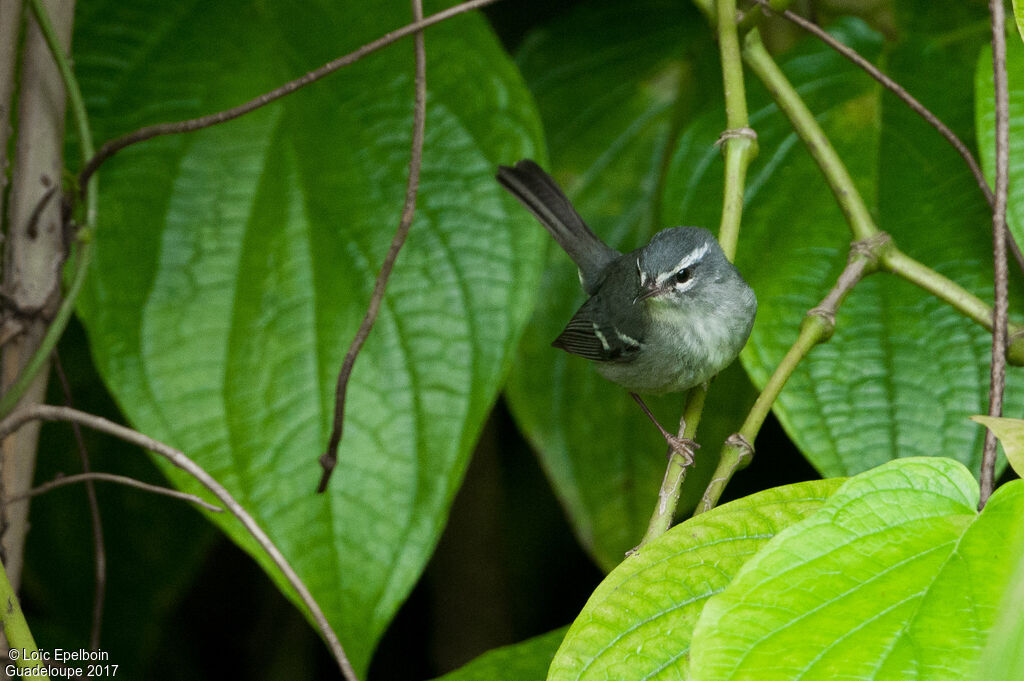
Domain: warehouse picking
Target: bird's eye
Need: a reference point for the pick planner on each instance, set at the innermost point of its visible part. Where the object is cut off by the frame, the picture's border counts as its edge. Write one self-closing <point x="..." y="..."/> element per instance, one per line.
<point x="682" y="276"/>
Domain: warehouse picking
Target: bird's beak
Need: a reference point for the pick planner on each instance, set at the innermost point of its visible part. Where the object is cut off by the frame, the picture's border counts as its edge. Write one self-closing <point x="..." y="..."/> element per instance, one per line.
<point x="649" y="289"/>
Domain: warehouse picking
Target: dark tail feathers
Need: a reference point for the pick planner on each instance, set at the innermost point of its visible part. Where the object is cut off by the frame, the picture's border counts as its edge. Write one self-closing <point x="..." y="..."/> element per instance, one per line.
<point x="536" y="190"/>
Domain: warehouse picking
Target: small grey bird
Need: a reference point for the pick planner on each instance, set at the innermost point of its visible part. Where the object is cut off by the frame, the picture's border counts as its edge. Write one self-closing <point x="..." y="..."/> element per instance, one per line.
<point x="660" y="319"/>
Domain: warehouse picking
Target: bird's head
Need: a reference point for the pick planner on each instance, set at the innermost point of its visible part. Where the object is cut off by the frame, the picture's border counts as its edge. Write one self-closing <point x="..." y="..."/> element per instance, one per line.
<point x="678" y="265"/>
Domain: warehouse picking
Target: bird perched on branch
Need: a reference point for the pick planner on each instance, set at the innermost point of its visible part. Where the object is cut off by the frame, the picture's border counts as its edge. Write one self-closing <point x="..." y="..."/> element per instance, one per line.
<point x="660" y="319"/>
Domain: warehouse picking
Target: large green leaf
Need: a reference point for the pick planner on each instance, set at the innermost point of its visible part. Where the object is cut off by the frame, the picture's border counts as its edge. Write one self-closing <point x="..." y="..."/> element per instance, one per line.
<point x="1018" y="13"/>
<point x="524" y="661"/>
<point x="638" y="623"/>
<point x="984" y="105"/>
<point x="1004" y="655"/>
<point x="613" y="82"/>
<point x="233" y="266"/>
<point x="897" y="576"/>
<point x="903" y="370"/>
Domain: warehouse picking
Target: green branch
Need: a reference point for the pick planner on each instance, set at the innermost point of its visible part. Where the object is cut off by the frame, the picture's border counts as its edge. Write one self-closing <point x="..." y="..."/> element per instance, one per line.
<point x="839" y="181"/>
<point x="881" y="253"/>
<point x="817" y="327"/>
<point x="675" y="473"/>
<point x="16" y="630"/>
<point x="739" y="142"/>
<point x="857" y="215"/>
<point x="739" y="146"/>
<point x="67" y="306"/>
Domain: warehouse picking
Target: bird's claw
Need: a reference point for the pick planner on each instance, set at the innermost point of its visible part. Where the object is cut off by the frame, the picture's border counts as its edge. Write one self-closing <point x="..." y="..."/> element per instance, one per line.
<point x="683" y="446"/>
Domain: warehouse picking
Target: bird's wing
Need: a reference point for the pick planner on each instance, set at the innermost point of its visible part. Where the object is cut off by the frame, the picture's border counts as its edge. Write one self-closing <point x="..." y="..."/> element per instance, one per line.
<point x="592" y="334"/>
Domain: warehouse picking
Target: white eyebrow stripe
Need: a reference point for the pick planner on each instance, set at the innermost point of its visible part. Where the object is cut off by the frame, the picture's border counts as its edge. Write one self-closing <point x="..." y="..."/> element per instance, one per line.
<point x="643" y="275"/>
<point x="687" y="260"/>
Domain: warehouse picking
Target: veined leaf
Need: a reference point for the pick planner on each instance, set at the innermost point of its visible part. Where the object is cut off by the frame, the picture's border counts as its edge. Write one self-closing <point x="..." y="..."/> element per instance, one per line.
<point x="984" y="107"/>
<point x="881" y="583"/>
<point x="234" y="264"/>
<point x="639" y="621"/>
<point x="1004" y="655"/>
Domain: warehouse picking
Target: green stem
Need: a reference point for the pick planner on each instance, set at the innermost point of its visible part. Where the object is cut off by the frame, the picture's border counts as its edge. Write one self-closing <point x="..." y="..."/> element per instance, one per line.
<point x="740" y="148"/>
<point x="16" y="630"/>
<point x="857" y="215"/>
<point x="70" y="83"/>
<point x="817" y="327"/>
<point x="738" y="142"/>
<point x="675" y="473"/>
<point x="668" y="499"/>
<point x="753" y="16"/>
<point x="732" y="65"/>
<point x="737" y="453"/>
<point x="63" y="316"/>
<point x="898" y="262"/>
<point x="946" y="289"/>
<point x="806" y="126"/>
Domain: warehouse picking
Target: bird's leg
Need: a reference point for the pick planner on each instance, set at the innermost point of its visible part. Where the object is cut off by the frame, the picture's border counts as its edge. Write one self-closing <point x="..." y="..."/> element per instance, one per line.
<point x="683" y="446"/>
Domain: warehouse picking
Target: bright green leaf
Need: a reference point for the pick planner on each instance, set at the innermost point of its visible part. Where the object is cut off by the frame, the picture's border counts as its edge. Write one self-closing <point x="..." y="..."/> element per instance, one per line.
<point x="1011" y="435"/>
<point x="903" y="370"/>
<point x="612" y="81"/>
<point x="638" y="623"/>
<point x="525" y="661"/>
<point x="1018" y="13"/>
<point x="1004" y="655"/>
<point x="984" y="103"/>
<point x="897" y="576"/>
<point x="234" y="264"/>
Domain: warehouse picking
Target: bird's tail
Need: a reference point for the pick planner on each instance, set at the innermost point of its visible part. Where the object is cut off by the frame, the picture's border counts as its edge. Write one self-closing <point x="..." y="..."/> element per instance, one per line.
<point x="536" y="190"/>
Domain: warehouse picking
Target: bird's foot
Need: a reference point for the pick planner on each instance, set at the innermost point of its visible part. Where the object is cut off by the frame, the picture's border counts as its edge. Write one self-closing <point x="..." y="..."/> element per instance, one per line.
<point x="683" y="446"/>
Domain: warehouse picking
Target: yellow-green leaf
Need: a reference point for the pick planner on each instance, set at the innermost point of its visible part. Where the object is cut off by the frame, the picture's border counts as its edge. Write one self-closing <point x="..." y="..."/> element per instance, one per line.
<point x="1011" y="434"/>
<point x="896" y="577"/>
<point x="1018" y="13"/>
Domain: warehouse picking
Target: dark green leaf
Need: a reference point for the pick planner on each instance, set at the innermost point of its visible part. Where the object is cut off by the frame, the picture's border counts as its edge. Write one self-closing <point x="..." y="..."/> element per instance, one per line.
<point x="984" y="104"/>
<point x="154" y="546"/>
<point x="233" y="266"/>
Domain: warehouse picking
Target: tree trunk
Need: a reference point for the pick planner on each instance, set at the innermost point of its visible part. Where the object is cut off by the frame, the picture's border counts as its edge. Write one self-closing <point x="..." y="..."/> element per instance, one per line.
<point x="34" y="249"/>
